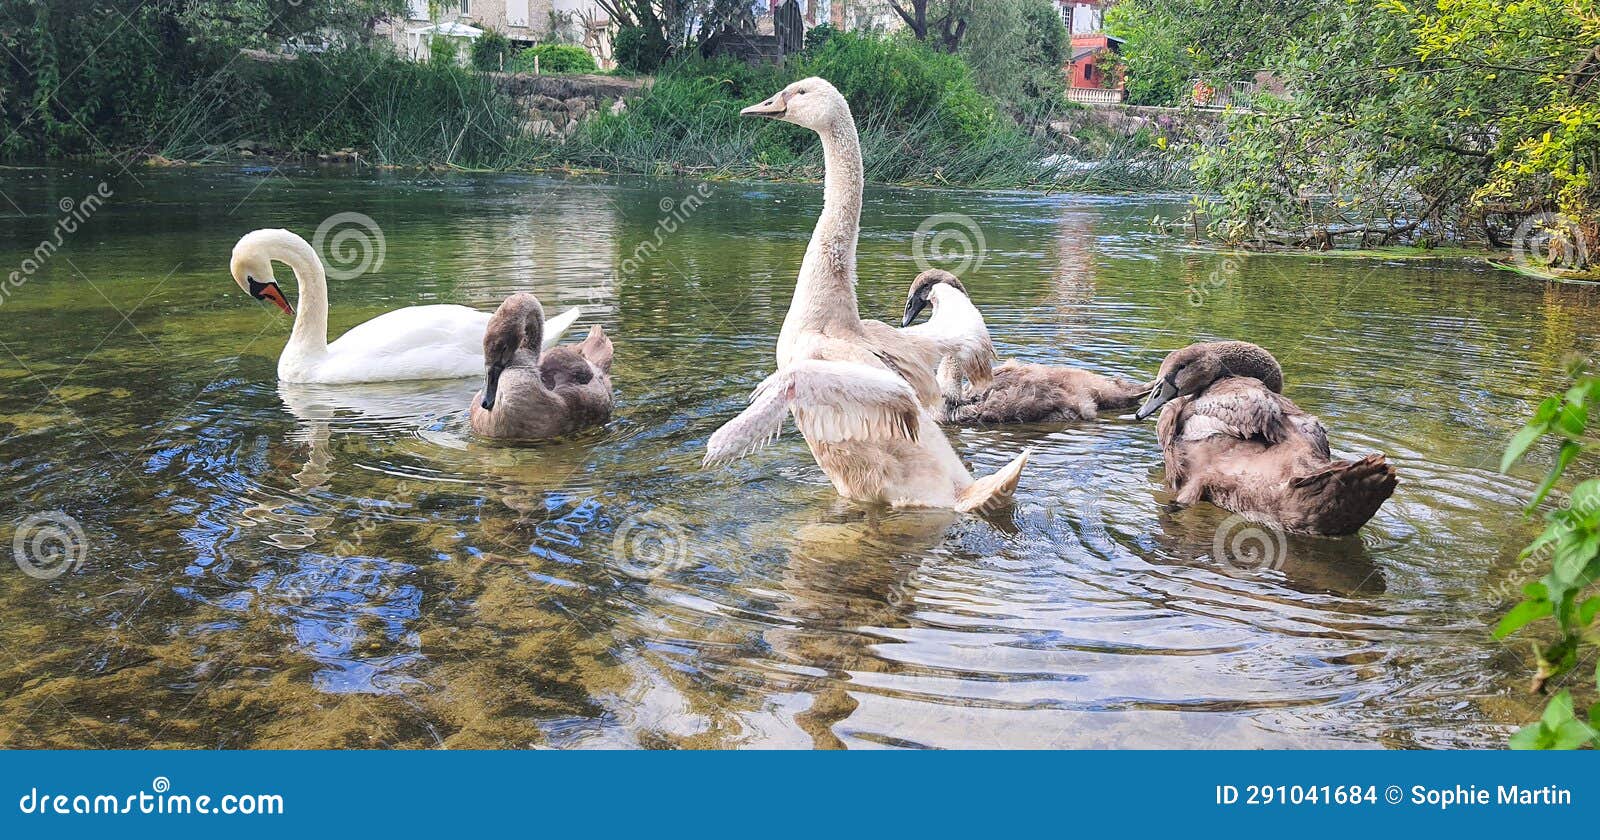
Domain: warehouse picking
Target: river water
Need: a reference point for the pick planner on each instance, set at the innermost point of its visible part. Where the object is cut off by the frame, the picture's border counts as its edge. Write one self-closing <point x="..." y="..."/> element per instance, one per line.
<point x="254" y="566"/>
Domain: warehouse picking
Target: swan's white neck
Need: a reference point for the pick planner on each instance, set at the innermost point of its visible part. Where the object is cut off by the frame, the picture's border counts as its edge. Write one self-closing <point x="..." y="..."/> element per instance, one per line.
<point x="310" y="335"/>
<point x="825" y="296"/>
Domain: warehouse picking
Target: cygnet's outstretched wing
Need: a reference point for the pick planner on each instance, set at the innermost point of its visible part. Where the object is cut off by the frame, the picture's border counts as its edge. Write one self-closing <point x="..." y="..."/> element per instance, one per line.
<point x="832" y="402"/>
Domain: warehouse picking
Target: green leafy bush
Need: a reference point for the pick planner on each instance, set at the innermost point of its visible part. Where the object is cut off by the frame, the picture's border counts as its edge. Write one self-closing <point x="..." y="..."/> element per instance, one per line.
<point x="444" y="52"/>
<point x="491" y="51"/>
<point x="1570" y="547"/>
<point x="919" y="115"/>
<point x="819" y="35"/>
<point x="639" y="50"/>
<point x="1016" y="49"/>
<point x="555" y="58"/>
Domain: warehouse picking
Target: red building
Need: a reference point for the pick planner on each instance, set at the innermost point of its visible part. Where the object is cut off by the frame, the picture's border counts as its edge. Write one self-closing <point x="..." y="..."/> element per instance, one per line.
<point x="1094" y="72"/>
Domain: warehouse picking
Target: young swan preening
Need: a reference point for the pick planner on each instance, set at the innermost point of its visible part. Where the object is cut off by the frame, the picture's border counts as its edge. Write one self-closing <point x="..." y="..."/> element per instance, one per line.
<point x="957" y="327"/>
<point x="532" y="396"/>
<point x="863" y="393"/>
<point x="441" y="341"/>
<point x="1230" y="437"/>
<point x="1013" y="392"/>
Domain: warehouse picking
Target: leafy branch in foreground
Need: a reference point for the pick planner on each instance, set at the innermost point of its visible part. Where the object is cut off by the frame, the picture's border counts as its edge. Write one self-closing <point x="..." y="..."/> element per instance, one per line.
<point x="1571" y="545"/>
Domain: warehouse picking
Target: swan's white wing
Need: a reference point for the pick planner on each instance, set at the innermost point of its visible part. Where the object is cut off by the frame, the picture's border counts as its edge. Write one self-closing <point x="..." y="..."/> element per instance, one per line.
<point x="555" y="327"/>
<point x="442" y="341"/>
<point x="832" y="402"/>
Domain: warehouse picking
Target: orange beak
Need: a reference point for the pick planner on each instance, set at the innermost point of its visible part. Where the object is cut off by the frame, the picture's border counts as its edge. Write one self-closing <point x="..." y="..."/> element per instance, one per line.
<point x="270" y="292"/>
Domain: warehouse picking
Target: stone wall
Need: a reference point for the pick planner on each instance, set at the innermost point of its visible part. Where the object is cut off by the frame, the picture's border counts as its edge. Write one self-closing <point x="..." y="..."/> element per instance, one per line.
<point x="555" y="105"/>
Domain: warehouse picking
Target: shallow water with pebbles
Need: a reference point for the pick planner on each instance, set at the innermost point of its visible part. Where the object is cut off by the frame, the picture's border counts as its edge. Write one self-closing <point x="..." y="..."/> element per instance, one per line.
<point x="266" y="566"/>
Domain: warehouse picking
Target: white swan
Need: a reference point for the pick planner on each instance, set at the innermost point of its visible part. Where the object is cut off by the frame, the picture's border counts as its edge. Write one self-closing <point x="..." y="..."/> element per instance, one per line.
<point x="443" y="341"/>
<point x="862" y="392"/>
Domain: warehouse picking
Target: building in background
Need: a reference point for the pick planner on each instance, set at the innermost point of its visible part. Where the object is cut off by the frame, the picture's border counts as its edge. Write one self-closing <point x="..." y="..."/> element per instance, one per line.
<point x="1095" y="74"/>
<point x="844" y="15"/>
<point x="525" y="22"/>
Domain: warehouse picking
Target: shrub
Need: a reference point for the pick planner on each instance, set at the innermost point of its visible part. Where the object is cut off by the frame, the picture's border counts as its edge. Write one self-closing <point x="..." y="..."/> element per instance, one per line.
<point x="556" y="58"/>
<point x="902" y="81"/>
<point x="819" y="35"/>
<point x="444" y="52"/>
<point x="920" y="118"/>
<point x="491" y="51"/>
<point x="638" y="50"/>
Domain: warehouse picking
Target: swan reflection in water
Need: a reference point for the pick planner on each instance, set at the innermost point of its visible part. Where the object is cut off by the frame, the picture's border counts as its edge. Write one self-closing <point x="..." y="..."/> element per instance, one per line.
<point x="1233" y="546"/>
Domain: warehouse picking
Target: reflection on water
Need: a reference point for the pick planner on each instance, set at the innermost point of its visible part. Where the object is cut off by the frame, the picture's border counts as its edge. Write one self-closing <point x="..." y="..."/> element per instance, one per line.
<point x="282" y="566"/>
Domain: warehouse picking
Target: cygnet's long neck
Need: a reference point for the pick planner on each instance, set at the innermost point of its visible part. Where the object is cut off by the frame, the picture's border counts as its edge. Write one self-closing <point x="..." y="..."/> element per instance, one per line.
<point x="825" y="296"/>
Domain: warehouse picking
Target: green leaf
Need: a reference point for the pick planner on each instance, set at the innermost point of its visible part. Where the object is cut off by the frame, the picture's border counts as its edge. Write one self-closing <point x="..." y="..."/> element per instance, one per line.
<point x="1573" y="419"/>
<point x="1573" y="554"/>
<point x="1571" y="735"/>
<point x="1559" y="710"/>
<point x="1520" y="442"/>
<point x="1569" y="450"/>
<point x="1522" y="615"/>
<point x="1530" y="737"/>
<point x="1586" y="614"/>
<point x="1585" y="502"/>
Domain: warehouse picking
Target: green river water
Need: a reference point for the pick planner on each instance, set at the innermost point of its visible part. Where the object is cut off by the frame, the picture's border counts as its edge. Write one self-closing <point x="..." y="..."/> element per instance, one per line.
<point x="348" y="567"/>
